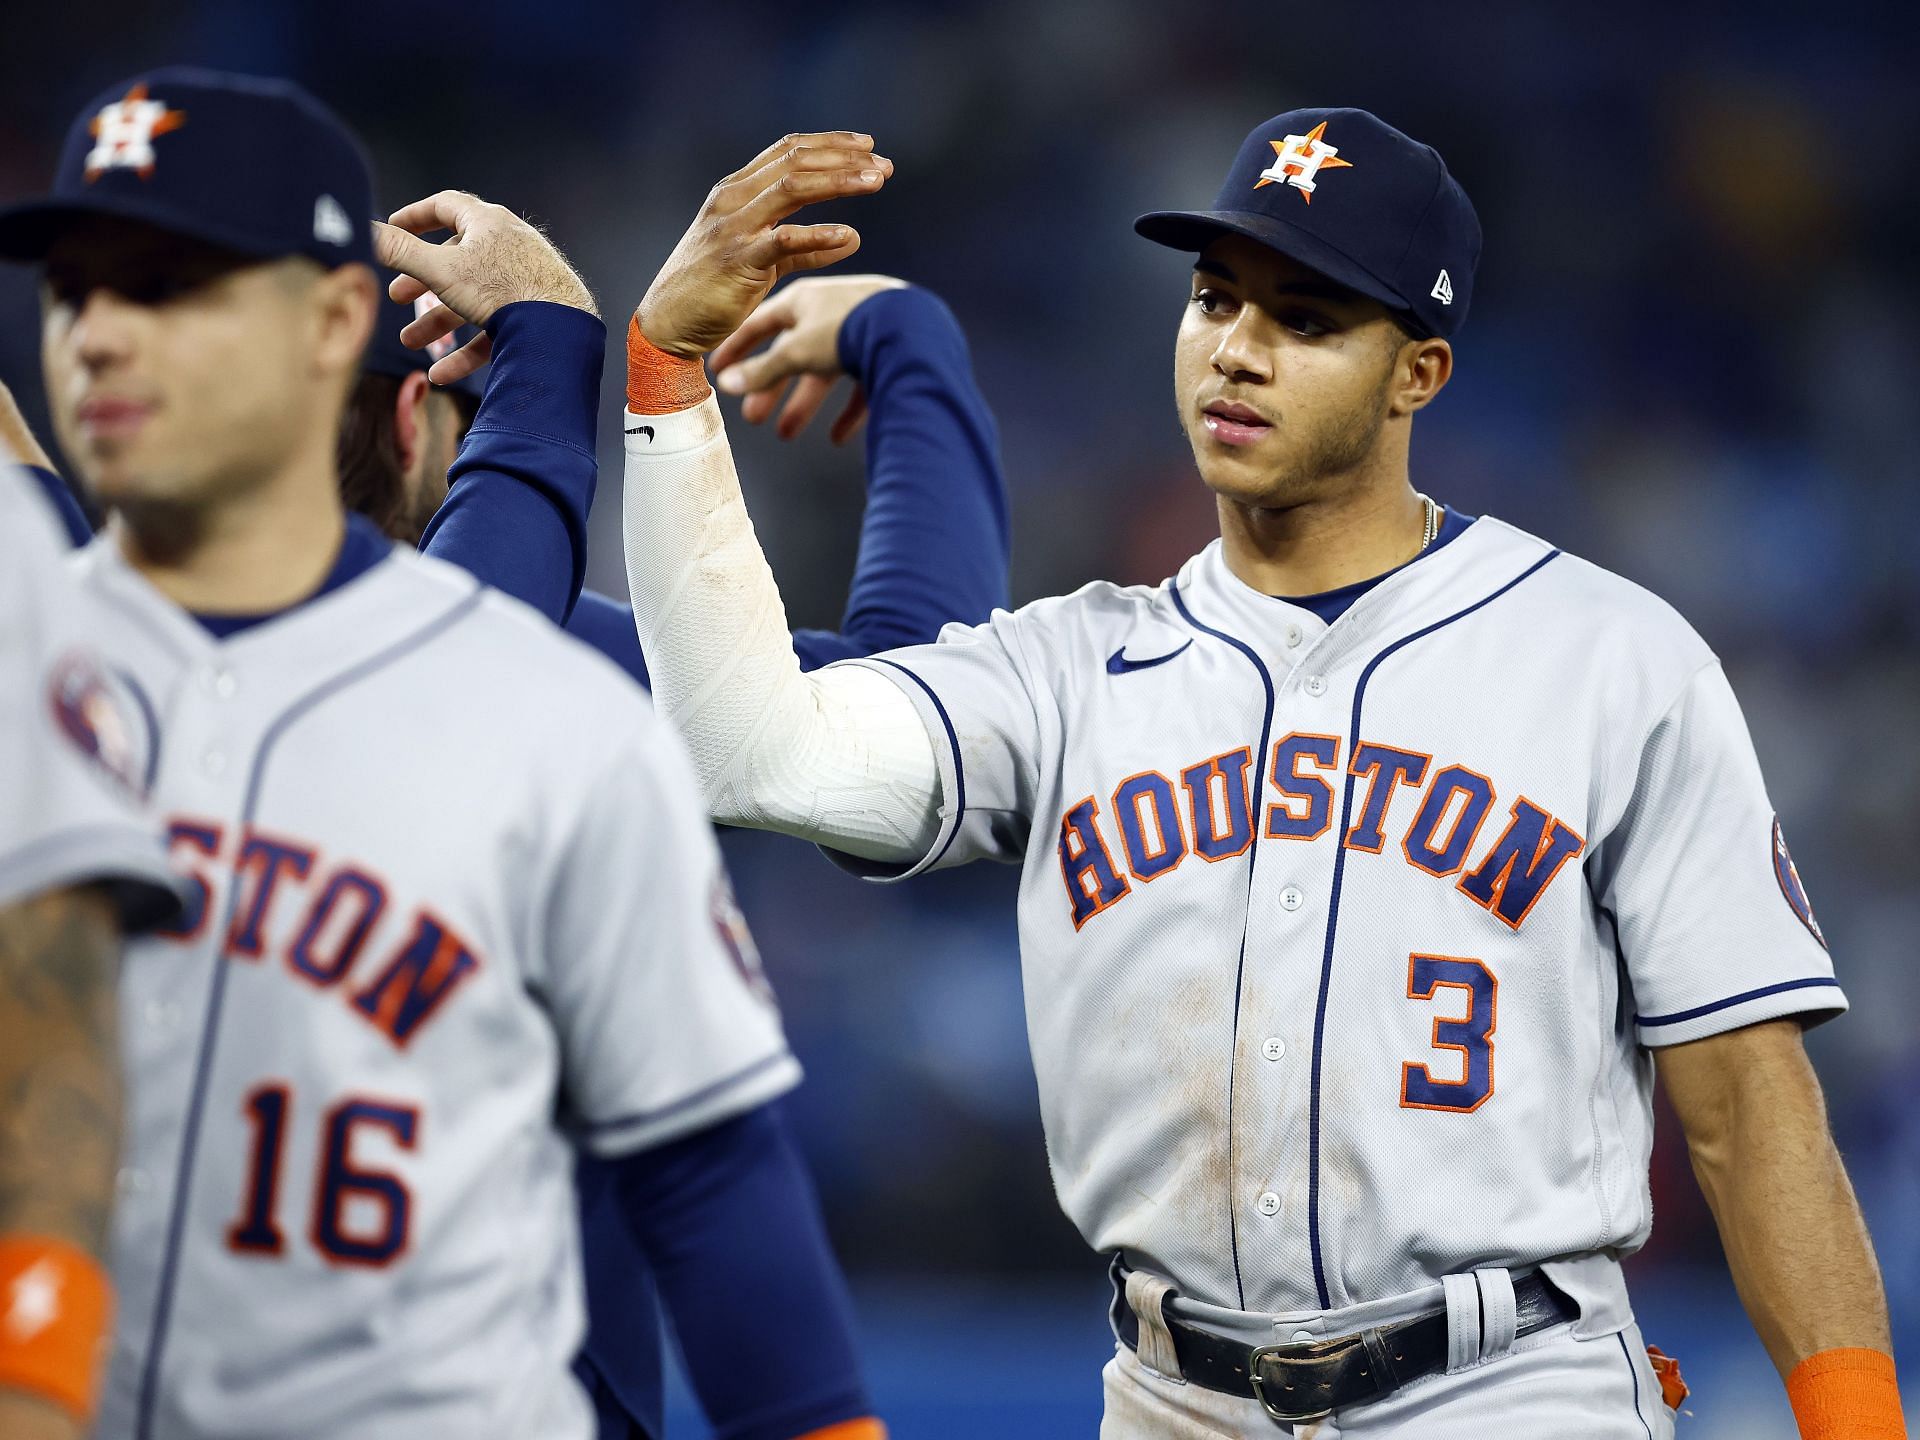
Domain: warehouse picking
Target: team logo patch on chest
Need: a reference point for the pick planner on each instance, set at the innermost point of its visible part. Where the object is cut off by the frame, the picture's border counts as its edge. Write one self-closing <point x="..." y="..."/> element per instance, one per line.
<point x="1152" y="823"/>
<point x="1788" y="875"/>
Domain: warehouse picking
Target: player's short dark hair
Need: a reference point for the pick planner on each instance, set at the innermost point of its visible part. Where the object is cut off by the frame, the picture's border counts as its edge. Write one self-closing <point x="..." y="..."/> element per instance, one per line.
<point x="369" y="452"/>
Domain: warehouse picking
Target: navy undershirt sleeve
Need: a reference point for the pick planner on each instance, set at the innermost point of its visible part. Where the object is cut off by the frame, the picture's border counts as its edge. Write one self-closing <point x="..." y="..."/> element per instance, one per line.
<point x="66" y="504"/>
<point x="933" y="543"/>
<point x="519" y="491"/>
<point x="607" y="625"/>
<point x="730" y="1222"/>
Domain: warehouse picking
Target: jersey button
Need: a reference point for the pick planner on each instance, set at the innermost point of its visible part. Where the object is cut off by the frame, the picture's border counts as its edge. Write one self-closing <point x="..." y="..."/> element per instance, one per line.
<point x="161" y="1014"/>
<point x="1304" y="1337"/>
<point x="1291" y="898"/>
<point x="222" y="683"/>
<point x="130" y="1182"/>
<point x="1294" y="635"/>
<point x="1269" y="1203"/>
<point x="214" y="762"/>
<point x="1315" y="685"/>
<point x="1273" y="1047"/>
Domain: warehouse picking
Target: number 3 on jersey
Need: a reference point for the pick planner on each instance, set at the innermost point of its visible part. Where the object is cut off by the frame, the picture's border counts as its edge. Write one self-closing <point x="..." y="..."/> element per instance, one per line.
<point x="383" y="1198"/>
<point x="1470" y="1034"/>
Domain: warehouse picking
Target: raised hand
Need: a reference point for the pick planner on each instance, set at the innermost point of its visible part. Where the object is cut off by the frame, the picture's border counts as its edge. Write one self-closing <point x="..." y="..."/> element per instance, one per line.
<point x="493" y="259"/>
<point x="804" y="321"/>
<point x="739" y="243"/>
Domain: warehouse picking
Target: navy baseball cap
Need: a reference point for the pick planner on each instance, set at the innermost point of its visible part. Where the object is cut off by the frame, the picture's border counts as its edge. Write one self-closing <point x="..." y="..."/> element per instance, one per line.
<point x="387" y="356"/>
<point x="258" y="167"/>
<point x="1349" y="196"/>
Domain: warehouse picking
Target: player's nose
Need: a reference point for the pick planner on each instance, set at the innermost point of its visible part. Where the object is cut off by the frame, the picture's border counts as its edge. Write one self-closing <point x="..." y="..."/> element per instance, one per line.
<point x="103" y="327"/>
<point x="1241" y="353"/>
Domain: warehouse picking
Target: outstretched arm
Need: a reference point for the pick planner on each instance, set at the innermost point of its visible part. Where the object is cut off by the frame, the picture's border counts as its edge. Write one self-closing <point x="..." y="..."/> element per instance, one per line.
<point x="515" y="515"/>
<point x="839" y="756"/>
<point x="1756" y="1127"/>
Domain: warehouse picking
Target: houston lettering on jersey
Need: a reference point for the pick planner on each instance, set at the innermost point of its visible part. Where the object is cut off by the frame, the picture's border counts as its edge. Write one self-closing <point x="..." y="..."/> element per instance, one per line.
<point x="1152" y="823"/>
<point x="341" y="906"/>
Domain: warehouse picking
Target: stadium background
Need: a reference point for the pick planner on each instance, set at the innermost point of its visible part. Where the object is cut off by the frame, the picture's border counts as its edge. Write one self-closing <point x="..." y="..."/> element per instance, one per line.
<point x="1692" y="358"/>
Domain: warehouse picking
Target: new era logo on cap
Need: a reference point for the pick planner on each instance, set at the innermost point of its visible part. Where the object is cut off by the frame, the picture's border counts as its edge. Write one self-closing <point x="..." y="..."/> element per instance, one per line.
<point x="330" y="222"/>
<point x="1442" y="289"/>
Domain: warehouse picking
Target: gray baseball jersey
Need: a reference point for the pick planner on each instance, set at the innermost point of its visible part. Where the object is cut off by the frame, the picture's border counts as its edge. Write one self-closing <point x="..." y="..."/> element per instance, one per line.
<point x="454" y="896"/>
<point x="73" y="764"/>
<point x="1344" y="945"/>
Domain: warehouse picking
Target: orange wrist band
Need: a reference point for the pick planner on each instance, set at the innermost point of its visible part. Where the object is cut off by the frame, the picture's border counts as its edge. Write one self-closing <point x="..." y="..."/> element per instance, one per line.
<point x="1666" y="1369"/>
<point x="865" y="1428"/>
<point x="55" y="1303"/>
<point x="659" y="383"/>
<point x="1846" y="1395"/>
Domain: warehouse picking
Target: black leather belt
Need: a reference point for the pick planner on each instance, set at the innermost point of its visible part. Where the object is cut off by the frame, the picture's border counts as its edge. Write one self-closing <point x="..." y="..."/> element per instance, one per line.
<point x="1312" y="1379"/>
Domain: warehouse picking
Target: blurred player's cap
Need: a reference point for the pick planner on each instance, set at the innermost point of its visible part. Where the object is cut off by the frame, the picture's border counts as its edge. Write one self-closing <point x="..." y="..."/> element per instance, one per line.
<point x="255" y="166"/>
<point x="387" y="356"/>
<point x="1346" y="194"/>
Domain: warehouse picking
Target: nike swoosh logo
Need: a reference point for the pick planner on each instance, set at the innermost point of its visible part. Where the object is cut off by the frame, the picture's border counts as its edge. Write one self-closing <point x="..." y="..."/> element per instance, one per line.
<point x="1119" y="664"/>
<point x="647" y="430"/>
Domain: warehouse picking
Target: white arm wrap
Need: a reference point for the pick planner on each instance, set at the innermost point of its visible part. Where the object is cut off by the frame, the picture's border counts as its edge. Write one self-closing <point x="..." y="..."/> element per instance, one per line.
<point x="838" y="756"/>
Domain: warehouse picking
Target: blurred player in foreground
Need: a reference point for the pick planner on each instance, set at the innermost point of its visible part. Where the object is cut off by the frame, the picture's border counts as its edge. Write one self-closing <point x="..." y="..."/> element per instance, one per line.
<point x="1299" y="830"/>
<point x="403" y="804"/>
<point x="933" y="549"/>
<point x="80" y="864"/>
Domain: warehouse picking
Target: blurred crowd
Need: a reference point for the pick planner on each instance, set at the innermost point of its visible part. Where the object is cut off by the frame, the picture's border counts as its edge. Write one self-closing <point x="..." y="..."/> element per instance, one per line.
<point x="1692" y="358"/>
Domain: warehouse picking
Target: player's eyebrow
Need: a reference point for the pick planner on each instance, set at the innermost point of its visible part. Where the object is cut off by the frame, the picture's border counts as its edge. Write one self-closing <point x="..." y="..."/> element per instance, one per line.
<point x="1313" y="289"/>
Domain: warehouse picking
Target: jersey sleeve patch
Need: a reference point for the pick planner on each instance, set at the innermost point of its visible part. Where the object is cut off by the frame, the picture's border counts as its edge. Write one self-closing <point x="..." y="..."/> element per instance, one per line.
<point x="1789" y="877"/>
<point x="97" y="721"/>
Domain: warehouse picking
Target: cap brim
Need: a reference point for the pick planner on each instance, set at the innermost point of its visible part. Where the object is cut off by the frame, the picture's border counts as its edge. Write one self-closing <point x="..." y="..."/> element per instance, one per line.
<point x="28" y="231"/>
<point x="1194" y="230"/>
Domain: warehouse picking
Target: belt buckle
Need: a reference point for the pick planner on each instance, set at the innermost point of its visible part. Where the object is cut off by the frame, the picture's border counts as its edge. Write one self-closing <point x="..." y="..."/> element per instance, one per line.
<point x="1288" y="1354"/>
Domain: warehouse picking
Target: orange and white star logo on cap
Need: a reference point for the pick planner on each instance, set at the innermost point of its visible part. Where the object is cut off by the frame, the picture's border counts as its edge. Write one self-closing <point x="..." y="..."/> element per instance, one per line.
<point x="123" y="133"/>
<point x="1298" y="158"/>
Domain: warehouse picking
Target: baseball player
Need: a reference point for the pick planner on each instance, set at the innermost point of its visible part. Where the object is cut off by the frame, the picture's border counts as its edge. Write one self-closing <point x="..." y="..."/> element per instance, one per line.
<point x="80" y="863"/>
<point x="932" y="472"/>
<point x="1369" y="864"/>
<point x="419" y="959"/>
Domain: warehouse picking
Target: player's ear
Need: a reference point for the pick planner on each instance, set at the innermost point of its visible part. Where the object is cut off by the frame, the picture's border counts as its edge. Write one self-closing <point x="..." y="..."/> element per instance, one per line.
<point x="410" y="419"/>
<point x="345" y="301"/>
<point x="1421" y="369"/>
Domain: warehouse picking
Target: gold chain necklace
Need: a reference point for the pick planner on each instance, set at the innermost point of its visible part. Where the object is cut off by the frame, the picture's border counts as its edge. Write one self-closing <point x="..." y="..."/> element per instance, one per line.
<point x="1431" y="527"/>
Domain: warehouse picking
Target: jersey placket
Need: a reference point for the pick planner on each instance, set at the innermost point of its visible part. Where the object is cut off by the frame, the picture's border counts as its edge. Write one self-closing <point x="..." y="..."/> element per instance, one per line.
<point x="170" y="992"/>
<point x="1288" y="901"/>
